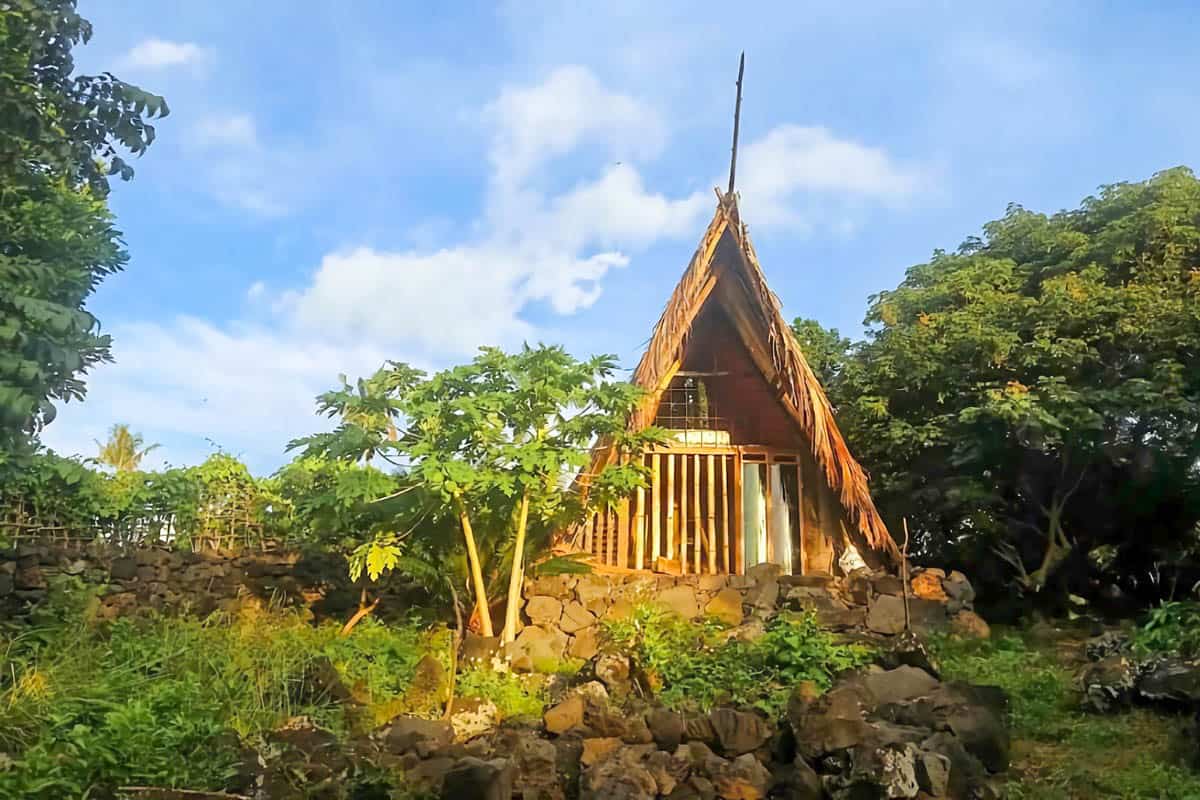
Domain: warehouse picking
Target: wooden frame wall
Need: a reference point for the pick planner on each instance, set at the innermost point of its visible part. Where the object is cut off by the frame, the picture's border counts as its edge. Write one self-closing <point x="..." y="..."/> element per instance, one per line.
<point x="689" y="520"/>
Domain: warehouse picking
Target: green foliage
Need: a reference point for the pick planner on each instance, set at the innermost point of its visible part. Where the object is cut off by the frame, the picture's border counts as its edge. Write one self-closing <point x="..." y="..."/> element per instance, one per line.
<point x="1037" y="392"/>
<point x="1172" y="627"/>
<point x="514" y="695"/>
<point x="479" y="441"/>
<point x="825" y="349"/>
<point x="698" y="665"/>
<point x="309" y="502"/>
<point x="61" y="136"/>
<point x="87" y="707"/>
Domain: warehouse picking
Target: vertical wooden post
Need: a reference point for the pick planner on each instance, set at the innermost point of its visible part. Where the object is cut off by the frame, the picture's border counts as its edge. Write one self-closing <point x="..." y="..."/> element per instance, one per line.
<point x="712" y="514"/>
<point x="670" y="505"/>
<point x="639" y="530"/>
<point x="800" y="534"/>
<point x="622" y="536"/>
<point x="725" y="513"/>
<point x="601" y="532"/>
<point x="683" y="513"/>
<point x="698" y="520"/>
<point x="739" y="518"/>
<point x="610" y="534"/>
<point x="770" y="548"/>
<point x="655" y="507"/>
<point x="589" y="528"/>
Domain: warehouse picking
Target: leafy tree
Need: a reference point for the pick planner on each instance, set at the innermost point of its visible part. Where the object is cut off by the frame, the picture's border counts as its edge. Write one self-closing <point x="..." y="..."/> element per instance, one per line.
<point x="1036" y="394"/>
<point x="124" y="450"/>
<point x="61" y="137"/>
<point x="493" y="441"/>
<point x="825" y="349"/>
<point x="552" y="408"/>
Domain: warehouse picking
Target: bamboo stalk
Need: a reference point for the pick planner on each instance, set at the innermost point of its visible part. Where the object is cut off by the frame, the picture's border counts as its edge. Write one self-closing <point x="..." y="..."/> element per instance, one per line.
<point x="655" y="507"/>
<point x="725" y="489"/>
<point x="712" y="515"/>
<point x="622" y="537"/>
<point x="639" y="530"/>
<point x="670" y="507"/>
<point x="697" y="520"/>
<point x="739" y="518"/>
<point x="683" y="513"/>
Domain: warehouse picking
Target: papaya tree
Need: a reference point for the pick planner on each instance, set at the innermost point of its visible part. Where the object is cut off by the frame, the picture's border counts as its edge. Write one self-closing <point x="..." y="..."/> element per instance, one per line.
<point x="553" y="408"/>
<point x="499" y="440"/>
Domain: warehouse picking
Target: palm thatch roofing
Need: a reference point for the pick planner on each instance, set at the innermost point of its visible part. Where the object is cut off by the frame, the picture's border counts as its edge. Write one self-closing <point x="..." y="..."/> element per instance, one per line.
<point x="755" y="311"/>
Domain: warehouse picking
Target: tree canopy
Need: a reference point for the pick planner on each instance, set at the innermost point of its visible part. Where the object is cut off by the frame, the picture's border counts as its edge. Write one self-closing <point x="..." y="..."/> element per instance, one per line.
<point x="1035" y="395"/>
<point x="61" y="136"/>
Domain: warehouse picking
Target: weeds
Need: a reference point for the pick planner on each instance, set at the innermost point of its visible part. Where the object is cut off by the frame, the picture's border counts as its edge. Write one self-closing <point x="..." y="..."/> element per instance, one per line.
<point x="86" y="707"/>
<point x="698" y="665"/>
<point x="1173" y="627"/>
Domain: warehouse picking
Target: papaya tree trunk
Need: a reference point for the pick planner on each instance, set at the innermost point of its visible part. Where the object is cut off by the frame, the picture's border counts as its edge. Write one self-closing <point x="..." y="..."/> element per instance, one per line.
<point x="364" y="608"/>
<point x="481" y="601"/>
<point x="517" y="573"/>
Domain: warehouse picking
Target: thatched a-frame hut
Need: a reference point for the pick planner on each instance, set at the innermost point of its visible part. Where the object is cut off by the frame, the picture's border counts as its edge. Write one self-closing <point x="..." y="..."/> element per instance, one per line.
<point x="757" y="470"/>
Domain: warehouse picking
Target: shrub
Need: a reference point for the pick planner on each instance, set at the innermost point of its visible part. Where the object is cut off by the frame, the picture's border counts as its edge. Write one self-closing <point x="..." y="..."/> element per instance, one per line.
<point x="698" y="665"/>
<point x="1173" y="627"/>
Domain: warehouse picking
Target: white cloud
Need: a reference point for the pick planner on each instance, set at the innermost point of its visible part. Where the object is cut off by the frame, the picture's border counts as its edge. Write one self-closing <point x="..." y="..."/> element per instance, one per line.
<point x="156" y="53"/>
<point x="792" y="160"/>
<point x="228" y="130"/>
<point x="536" y="124"/>
<point x="250" y="386"/>
<point x="243" y="173"/>
<point x="532" y="246"/>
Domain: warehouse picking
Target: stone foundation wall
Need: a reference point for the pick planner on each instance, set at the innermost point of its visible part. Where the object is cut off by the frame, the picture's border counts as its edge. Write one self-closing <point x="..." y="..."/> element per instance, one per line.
<point x="163" y="579"/>
<point x="561" y="612"/>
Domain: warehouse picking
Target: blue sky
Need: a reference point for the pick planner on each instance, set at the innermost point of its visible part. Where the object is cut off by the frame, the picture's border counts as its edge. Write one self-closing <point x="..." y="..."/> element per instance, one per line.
<point x="342" y="183"/>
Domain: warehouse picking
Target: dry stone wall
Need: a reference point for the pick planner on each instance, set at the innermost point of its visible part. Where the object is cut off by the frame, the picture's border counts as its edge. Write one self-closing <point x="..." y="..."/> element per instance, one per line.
<point x="562" y="612"/>
<point x="158" y="578"/>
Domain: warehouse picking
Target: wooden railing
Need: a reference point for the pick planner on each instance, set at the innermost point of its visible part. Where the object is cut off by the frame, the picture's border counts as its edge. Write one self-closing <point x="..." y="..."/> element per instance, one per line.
<point x="686" y="522"/>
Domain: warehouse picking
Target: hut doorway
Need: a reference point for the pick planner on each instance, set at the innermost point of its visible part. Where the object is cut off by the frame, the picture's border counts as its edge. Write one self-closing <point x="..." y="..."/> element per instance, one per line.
<point x="771" y="520"/>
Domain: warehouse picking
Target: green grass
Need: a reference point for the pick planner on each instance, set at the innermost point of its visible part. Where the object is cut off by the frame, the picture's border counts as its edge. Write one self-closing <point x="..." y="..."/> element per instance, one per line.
<point x="1059" y="751"/>
<point x="85" y="707"/>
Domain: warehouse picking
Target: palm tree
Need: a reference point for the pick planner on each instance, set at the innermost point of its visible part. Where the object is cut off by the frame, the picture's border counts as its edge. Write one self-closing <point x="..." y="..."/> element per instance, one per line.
<point x="123" y="451"/>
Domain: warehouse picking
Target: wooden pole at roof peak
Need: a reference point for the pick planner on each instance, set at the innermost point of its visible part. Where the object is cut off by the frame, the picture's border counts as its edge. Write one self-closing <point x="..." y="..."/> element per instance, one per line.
<point x="737" y="115"/>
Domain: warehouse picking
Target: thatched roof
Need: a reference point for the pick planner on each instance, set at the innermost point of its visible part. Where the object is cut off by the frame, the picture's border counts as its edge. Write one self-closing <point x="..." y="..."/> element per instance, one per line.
<point x="755" y="312"/>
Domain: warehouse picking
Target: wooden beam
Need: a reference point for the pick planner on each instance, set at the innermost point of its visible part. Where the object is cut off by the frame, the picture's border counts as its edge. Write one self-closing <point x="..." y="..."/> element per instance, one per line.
<point x="739" y="518"/>
<point x="698" y="520"/>
<point x="712" y="515"/>
<point x="683" y="513"/>
<point x="622" y="536"/>
<point x="589" y="528"/>
<point x="770" y="548"/>
<point x="799" y="534"/>
<point x="670" y="507"/>
<point x="725" y="526"/>
<point x="639" y="530"/>
<point x="655" y="506"/>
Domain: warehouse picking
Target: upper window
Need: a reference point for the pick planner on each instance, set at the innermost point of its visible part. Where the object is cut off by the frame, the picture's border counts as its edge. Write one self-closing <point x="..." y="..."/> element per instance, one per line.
<point x="687" y="405"/>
